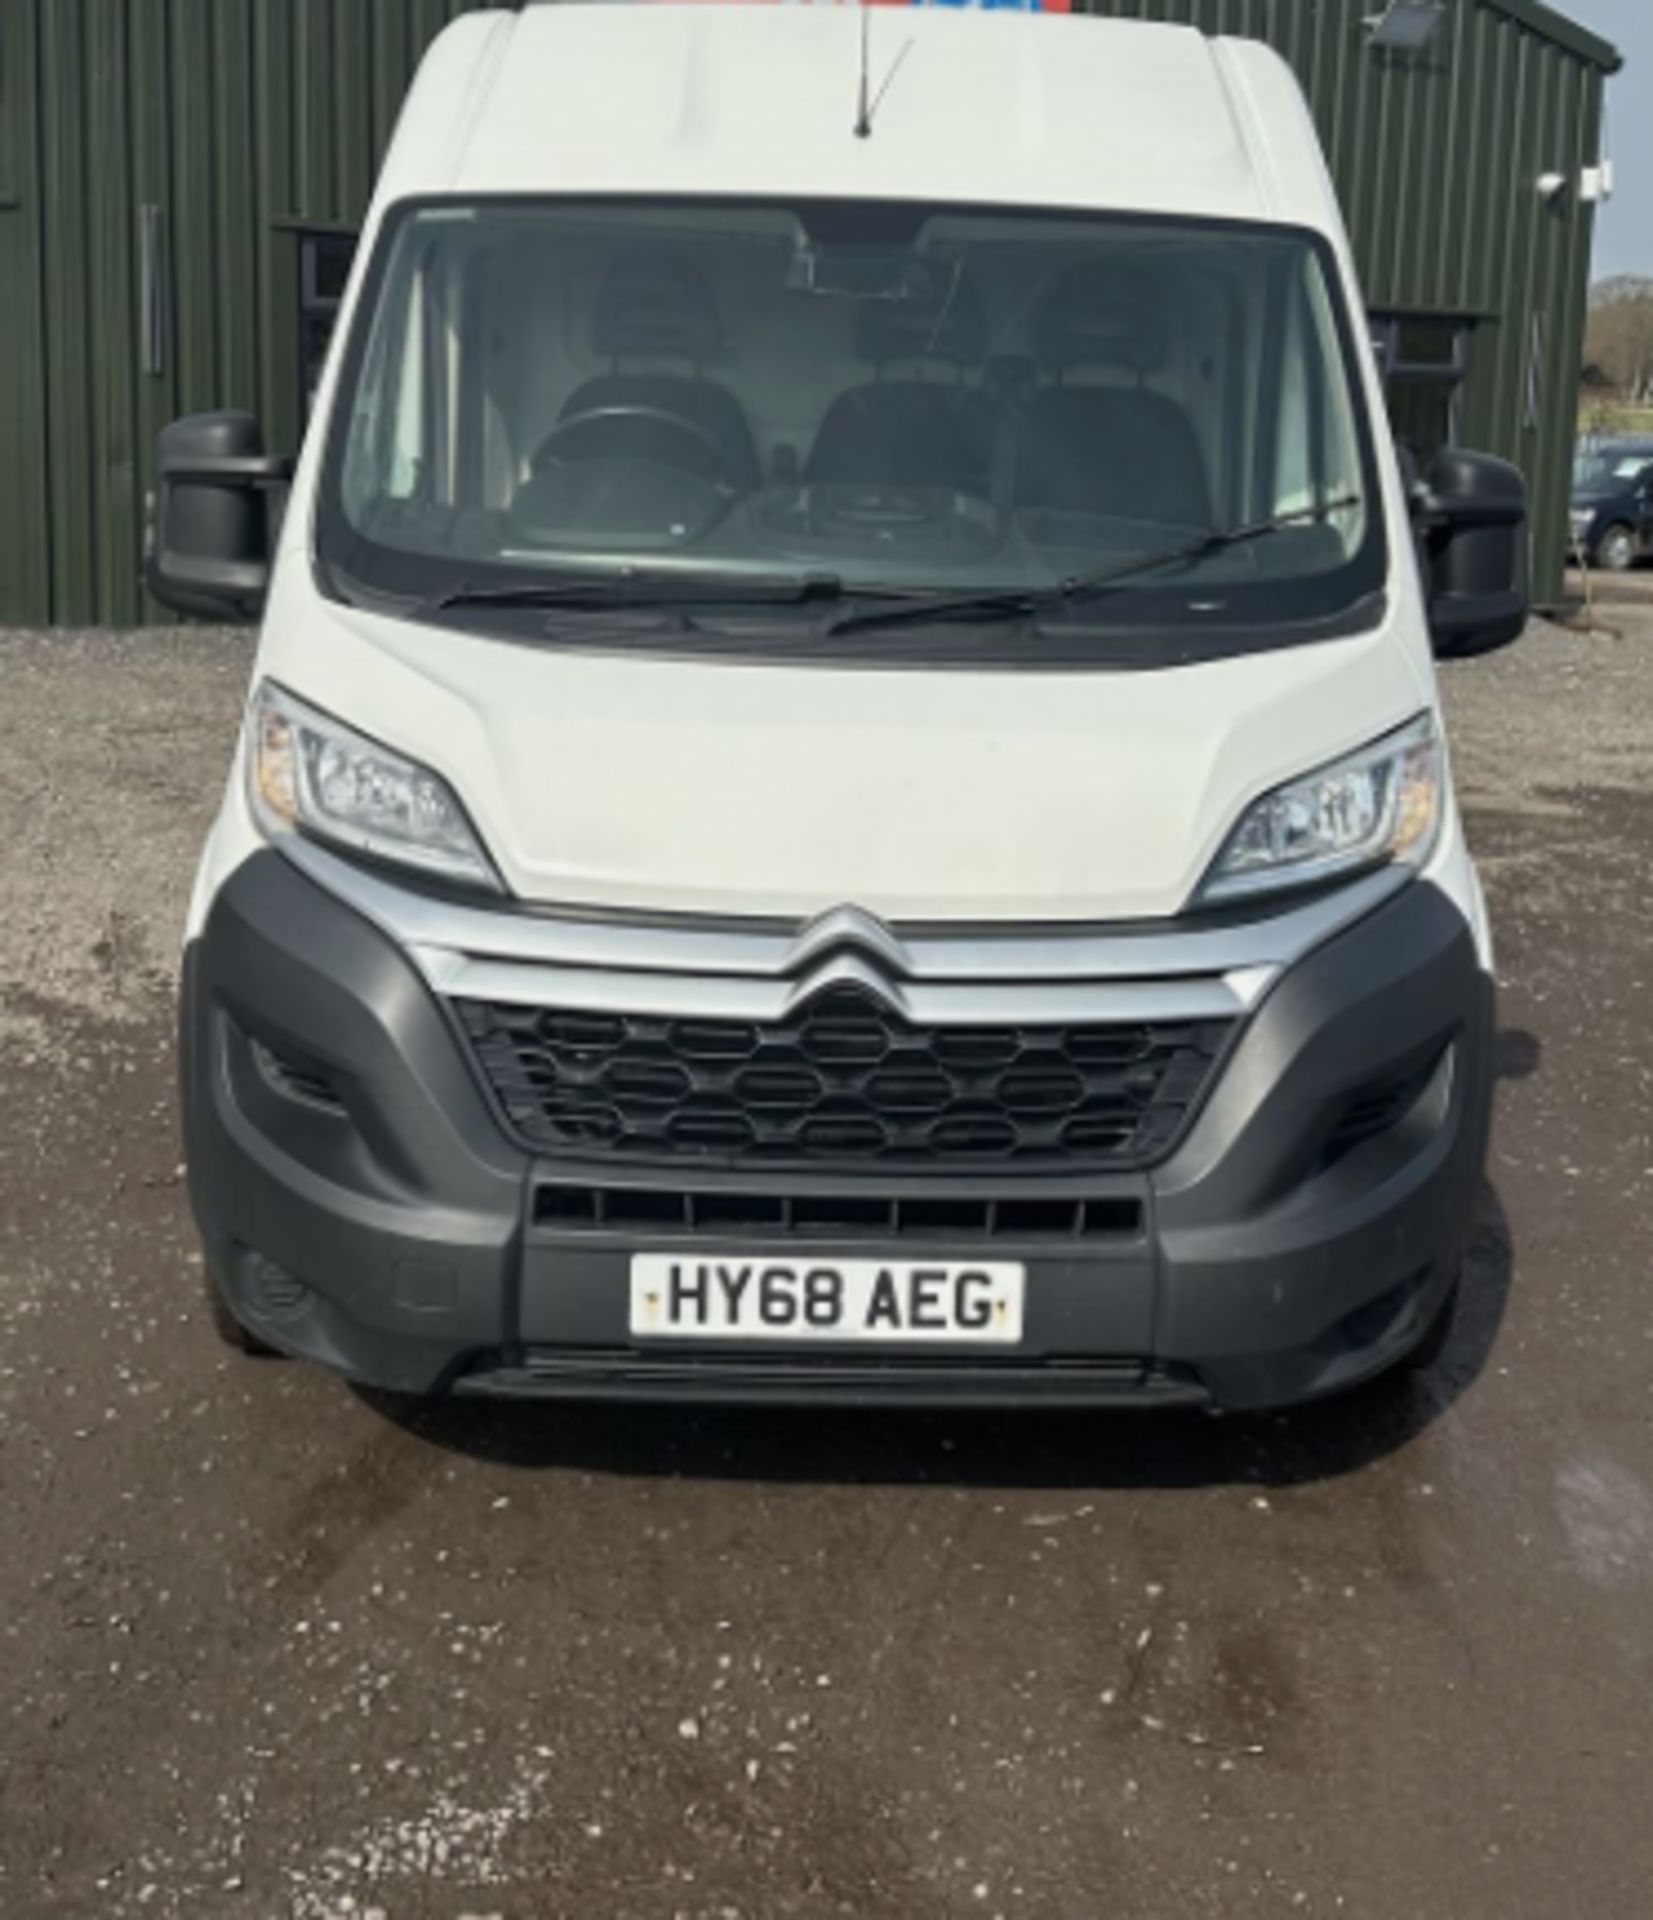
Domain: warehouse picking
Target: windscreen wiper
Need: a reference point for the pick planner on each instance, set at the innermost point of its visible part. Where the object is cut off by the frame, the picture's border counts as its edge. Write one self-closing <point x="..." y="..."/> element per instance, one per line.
<point x="637" y="587"/>
<point x="1008" y="603"/>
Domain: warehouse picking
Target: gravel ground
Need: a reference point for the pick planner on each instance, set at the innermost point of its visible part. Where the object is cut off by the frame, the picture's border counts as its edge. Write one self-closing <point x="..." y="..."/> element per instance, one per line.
<point x="273" y="1653"/>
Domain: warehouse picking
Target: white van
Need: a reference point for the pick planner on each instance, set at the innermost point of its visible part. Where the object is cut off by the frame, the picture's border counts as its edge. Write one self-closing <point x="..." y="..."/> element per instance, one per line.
<point x="843" y="798"/>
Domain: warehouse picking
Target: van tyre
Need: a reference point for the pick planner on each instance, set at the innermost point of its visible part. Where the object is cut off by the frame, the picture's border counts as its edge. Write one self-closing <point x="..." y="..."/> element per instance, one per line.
<point x="1616" y="550"/>
<point x="1434" y="1343"/>
<point x="230" y="1330"/>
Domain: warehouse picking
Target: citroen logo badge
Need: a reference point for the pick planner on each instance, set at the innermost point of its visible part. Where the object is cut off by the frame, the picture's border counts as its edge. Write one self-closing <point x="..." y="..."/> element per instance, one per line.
<point x="848" y="947"/>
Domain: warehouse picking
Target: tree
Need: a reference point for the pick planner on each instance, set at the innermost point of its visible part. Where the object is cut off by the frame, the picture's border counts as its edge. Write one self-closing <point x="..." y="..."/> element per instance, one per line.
<point x="1618" y="341"/>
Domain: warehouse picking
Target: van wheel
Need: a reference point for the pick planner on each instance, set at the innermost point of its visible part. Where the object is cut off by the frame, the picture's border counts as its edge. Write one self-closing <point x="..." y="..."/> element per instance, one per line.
<point x="230" y="1330"/>
<point x="1616" y="550"/>
<point x="1433" y="1344"/>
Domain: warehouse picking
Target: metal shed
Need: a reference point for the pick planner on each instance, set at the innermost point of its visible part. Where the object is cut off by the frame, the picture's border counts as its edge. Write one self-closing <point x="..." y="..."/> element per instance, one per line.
<point x="180" y="180"/>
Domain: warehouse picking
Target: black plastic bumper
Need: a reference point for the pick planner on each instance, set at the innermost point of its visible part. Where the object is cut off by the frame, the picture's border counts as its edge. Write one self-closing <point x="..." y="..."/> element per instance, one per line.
<point x="362" y="1205"/>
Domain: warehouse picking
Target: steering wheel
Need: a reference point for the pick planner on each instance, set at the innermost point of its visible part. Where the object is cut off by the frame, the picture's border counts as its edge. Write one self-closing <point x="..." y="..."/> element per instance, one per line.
<point x="711" y="457"/>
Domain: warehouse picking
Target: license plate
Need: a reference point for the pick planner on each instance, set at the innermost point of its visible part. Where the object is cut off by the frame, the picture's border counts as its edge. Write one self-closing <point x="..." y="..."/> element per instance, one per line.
<point x="742" y="1297"/>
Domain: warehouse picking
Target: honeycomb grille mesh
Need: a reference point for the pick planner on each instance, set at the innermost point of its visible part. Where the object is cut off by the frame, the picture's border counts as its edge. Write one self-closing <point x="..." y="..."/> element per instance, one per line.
<point x="844" y="1081"/>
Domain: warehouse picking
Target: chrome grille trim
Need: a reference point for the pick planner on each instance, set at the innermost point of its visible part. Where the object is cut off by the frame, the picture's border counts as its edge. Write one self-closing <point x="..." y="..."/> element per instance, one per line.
<point x="1152" y="970"/>
<point x="456" y="976"/>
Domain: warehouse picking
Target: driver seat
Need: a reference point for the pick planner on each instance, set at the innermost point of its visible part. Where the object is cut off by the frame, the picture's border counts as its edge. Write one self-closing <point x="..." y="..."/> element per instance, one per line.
<point x="655" y="307"/>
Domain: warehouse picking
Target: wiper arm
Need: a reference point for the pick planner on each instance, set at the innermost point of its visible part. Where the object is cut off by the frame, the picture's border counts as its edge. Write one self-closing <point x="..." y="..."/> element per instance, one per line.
<point x="1216" y="541"/>
<point x="647" y="589"/>
<point x="1016" y="602"/>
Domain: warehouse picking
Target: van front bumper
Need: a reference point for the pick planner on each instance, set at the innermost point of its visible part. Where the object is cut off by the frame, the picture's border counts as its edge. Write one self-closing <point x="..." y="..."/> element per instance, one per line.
<point x="362" y="1204"/>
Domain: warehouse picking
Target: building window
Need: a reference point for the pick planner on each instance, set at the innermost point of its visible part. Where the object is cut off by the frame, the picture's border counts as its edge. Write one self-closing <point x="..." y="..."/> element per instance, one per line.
<point x="324" y="267"/>
<point x="1424" y="359"/>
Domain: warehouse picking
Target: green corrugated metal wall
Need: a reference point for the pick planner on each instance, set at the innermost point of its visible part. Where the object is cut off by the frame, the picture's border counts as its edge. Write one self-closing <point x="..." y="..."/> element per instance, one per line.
<point x="1437" y="158"/>
<point x="241" y="120"/>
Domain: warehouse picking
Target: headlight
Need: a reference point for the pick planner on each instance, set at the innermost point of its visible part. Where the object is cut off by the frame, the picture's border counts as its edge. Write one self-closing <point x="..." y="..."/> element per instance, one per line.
<point x="1382" y="804"/>
<point x="315" y="775"/>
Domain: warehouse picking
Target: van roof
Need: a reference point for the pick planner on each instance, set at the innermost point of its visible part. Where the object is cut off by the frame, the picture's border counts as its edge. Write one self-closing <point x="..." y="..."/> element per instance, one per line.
<point x="977" y="107"/>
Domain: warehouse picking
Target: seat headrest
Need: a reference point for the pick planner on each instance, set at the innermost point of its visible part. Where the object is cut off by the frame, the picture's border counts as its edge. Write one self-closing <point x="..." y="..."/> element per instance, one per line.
<point x="1096" y="317"/>
<point x="655" y="304"/>
<point x="945" y="324"/>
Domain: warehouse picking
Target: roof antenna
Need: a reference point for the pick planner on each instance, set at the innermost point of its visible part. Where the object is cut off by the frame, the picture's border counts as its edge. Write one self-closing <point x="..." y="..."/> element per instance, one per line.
<point x="863" y="117"/>
<point x="867" y="112"/>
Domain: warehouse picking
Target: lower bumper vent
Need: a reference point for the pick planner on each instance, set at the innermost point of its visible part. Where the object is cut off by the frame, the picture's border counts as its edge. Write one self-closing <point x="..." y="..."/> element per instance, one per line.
<point x="297" y="1082"/>
<point x="884" y="1217"/>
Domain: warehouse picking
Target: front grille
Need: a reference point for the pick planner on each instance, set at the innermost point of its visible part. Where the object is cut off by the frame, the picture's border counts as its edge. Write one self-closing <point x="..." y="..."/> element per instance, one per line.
<point x="846" y="1080"/>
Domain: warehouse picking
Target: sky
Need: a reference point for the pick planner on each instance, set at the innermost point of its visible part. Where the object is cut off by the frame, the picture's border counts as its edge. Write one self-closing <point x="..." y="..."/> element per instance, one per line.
<point x="1624" y="227"/>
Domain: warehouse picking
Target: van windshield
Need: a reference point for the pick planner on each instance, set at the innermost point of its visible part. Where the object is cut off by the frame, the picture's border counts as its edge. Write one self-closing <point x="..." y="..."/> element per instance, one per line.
<point x="1607" y="470"/>
<point x="890" y="398"/>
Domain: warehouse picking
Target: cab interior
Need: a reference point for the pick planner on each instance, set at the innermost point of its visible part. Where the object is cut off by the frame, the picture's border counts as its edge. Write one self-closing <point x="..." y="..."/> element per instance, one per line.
<point x="922" y="388"/>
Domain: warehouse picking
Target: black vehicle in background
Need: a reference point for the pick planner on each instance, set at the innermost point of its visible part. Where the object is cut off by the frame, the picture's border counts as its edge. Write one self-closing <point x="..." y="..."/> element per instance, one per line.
<point x="1612" y="513"/>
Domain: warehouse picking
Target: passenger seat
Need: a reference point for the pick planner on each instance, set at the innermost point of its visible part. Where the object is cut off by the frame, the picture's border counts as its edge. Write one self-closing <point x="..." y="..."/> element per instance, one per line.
<point x="1115" y="451"/>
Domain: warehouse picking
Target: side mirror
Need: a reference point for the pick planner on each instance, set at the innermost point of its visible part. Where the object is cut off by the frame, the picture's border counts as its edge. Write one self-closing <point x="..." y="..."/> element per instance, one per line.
<point x="217" y="511"/>
<point x="1471" y="515"/>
